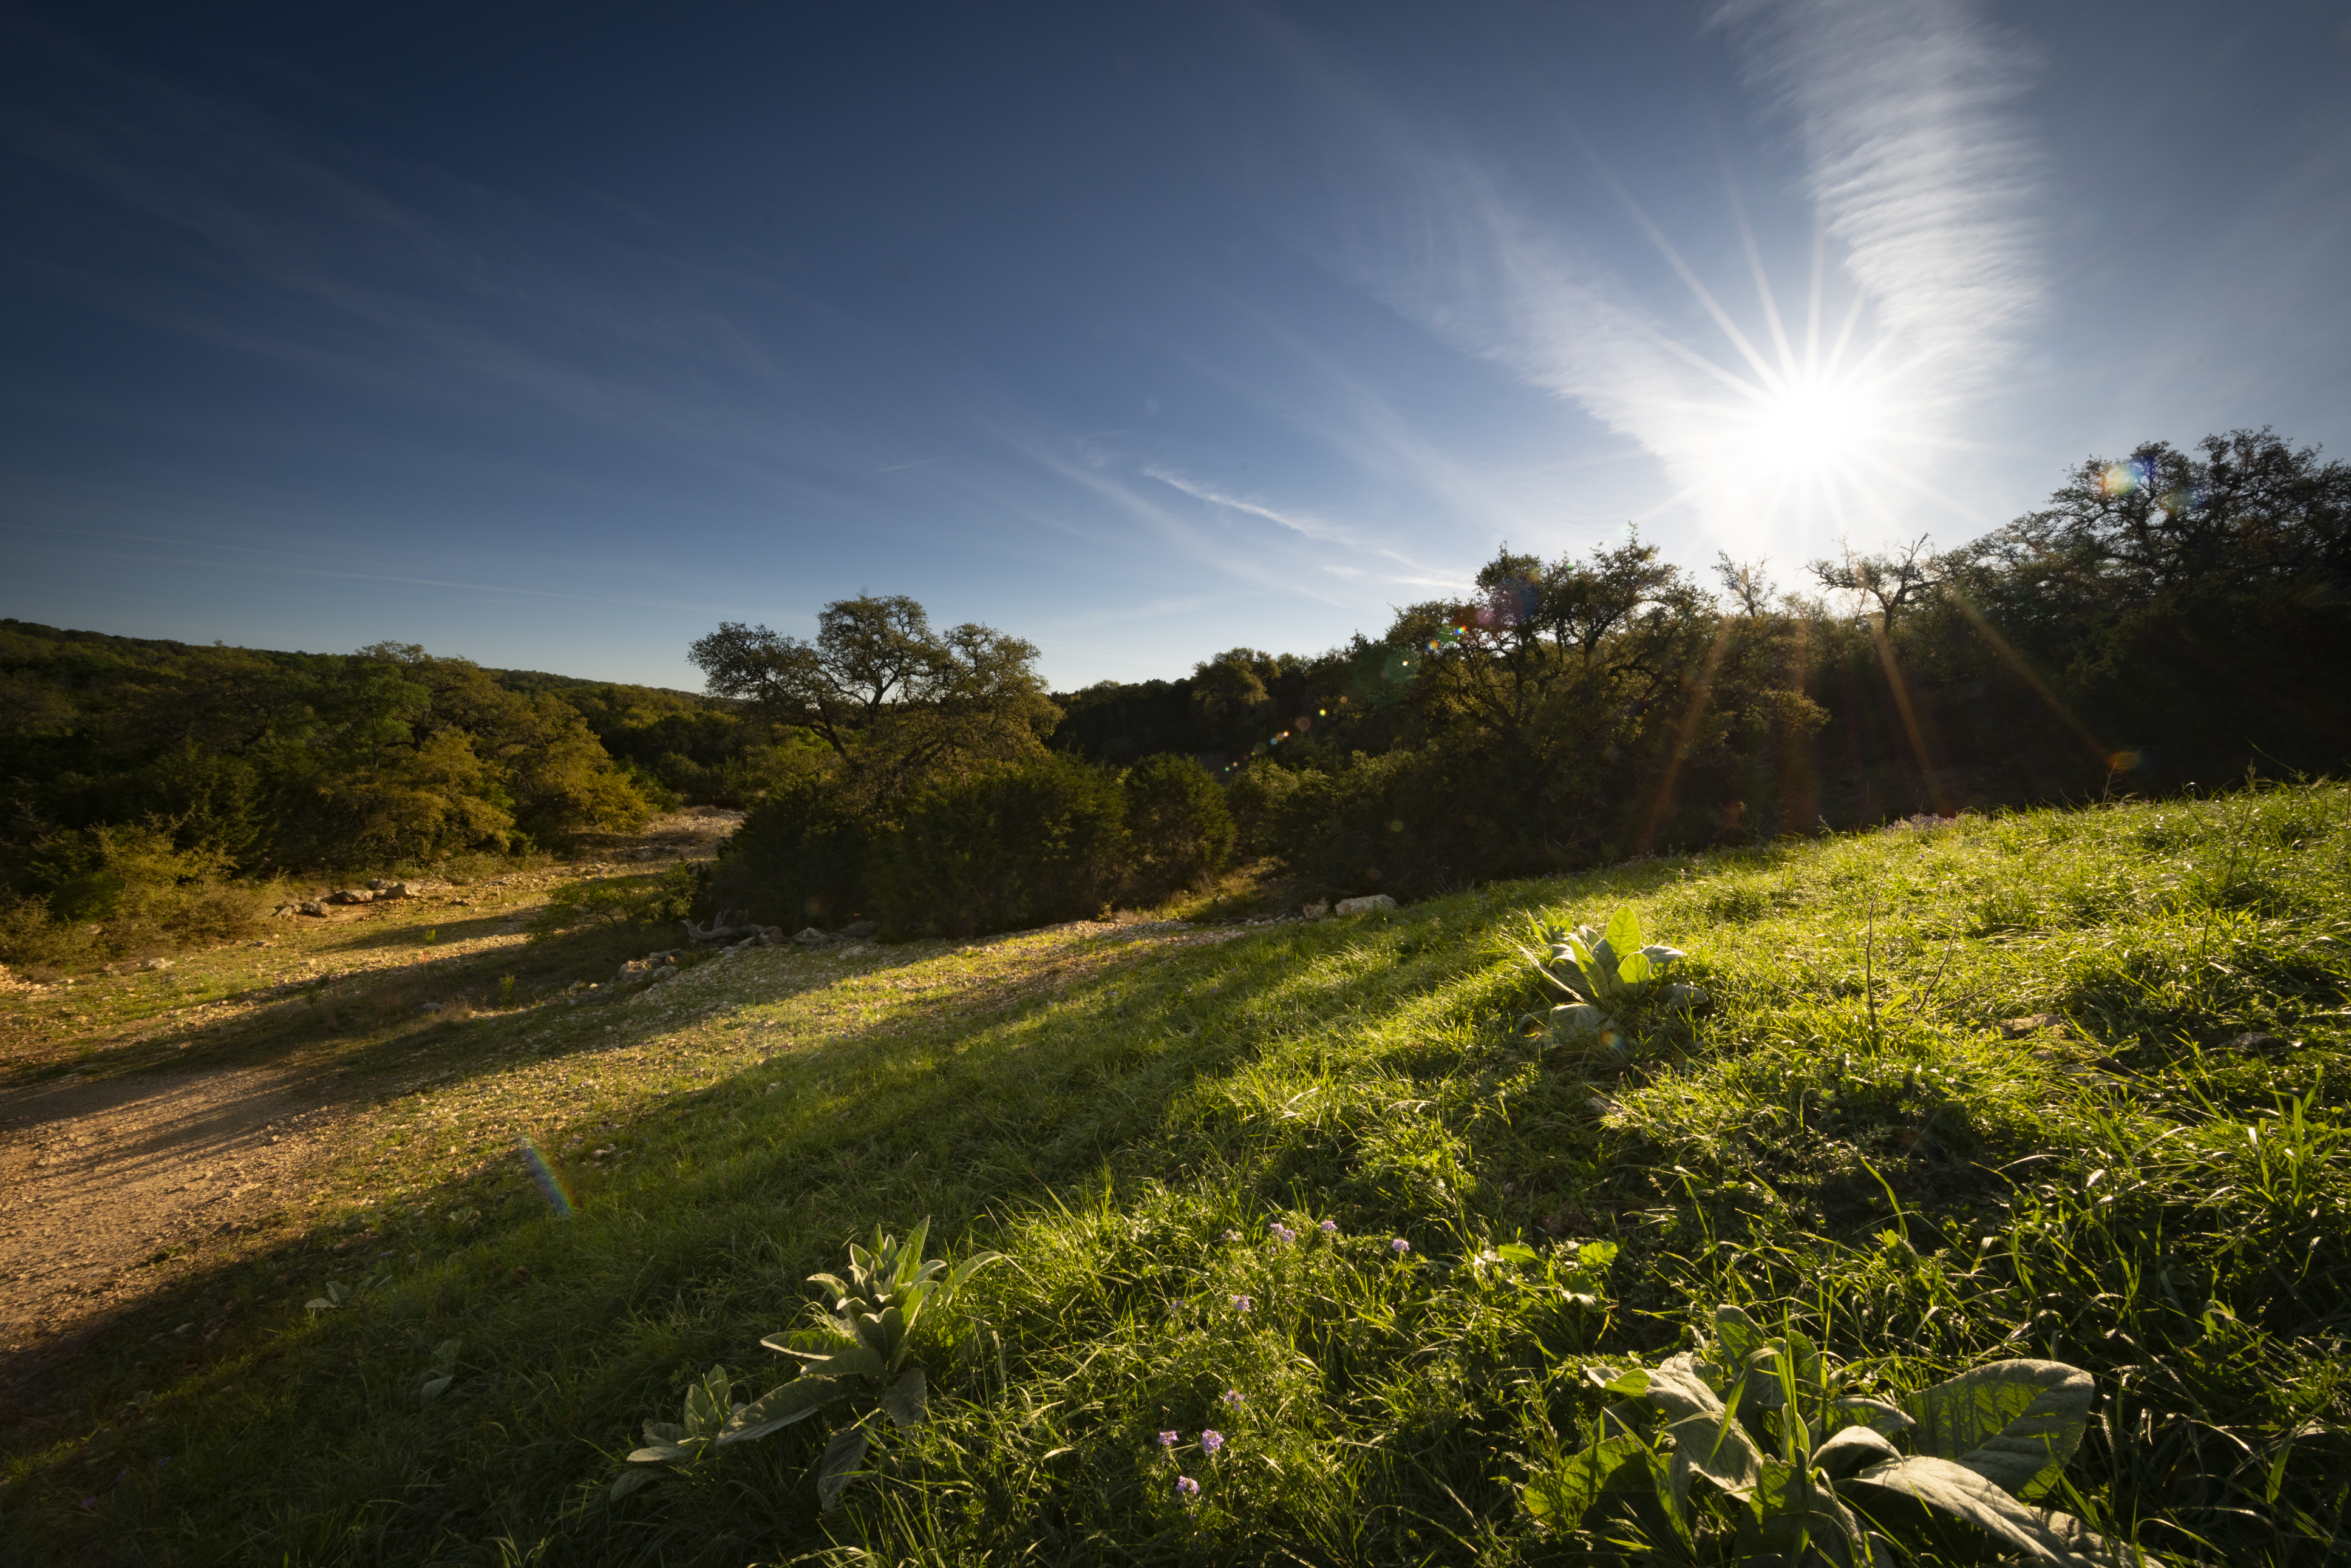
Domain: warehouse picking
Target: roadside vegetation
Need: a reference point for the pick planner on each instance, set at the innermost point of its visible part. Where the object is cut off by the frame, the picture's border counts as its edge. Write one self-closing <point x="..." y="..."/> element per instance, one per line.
<point x="1318" y="1244"/>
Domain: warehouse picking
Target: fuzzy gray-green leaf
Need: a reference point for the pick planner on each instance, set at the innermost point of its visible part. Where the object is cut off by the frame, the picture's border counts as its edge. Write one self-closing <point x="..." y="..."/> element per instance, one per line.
<point x="1854" y="1449"/>
<point x="841" y="1456"/>
<point x="906" y="1400"/>
<point x="780" y="1406"/>
<point x="628" y="1481"/>
<point x="1561" y="1496"/>
<point x="2015" y="1423"/>
<point x="1887" y="1492"/>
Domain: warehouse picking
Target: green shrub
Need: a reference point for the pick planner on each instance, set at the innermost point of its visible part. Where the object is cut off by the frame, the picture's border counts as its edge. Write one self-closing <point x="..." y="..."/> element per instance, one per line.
<point x="1177" y="823"/>
<point x="112" y="890"/>
<point x="799" y="859"/>
<point x="1416" y="822"/>
<point x="656" y="901"/>
<point x="1029" y="846"/>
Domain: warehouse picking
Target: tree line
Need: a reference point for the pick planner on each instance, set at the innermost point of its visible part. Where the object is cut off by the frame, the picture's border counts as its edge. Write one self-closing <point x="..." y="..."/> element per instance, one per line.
<point x="2168" y="618"/>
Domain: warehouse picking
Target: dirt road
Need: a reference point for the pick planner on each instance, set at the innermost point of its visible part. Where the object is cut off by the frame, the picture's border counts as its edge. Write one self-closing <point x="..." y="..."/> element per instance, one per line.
<point x="109" y="1183"/>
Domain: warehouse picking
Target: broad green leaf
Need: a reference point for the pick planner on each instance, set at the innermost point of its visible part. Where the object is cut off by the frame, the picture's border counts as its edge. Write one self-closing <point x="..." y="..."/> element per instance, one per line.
<point x="910" y="1299"/>
<point x="2015" y="1423"/>
<point x="1636" y="969"/>
<point x="434" y="1387"/>
<point x="707" y="1401"/>
<point x="1717" y="1447"/>
<point x="1577" y="1020"/>
<point x="1797" y="1517"/>
<point x="780" y="1406"/>
<point x="1624" y="934"/>
<point x="851" y="1359"/>
<point x="909" y="1253"/>
<point x="628" y="1481"/>
<point x="1524" y="1255"/>
<point x="1737" y="1337"/>
<point x="657" y="1454"/>
<point x="832" y="1284"/>
<point x="889" y="1335"/>
<point x="1629" y="1416"/>
<point x="904" y="1400"/>
<point x="1929" y="1493"/>
<point x="841" y="1456"/>
<point x="968" y="1267"/>
<point x="1875" y="1414"/>
<point x="810" y="1344"/>
<point x="1593" y="1256"/>
<point x="1561" y="1496"/>
<point x="1677" y="1388"/>
<point x="1632" y="1384"/>
<point x="1671" y="1484"/>
<point x="665" y="1432"/>
<point x="1854" y="1449"/>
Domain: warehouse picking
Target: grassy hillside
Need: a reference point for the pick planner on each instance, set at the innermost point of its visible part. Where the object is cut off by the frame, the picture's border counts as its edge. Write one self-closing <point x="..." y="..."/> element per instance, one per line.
<point x="2154" y="1187"/>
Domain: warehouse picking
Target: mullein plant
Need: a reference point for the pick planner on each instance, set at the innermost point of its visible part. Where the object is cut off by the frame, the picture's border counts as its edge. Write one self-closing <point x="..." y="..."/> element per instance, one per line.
<point x="1606" y="977"/>
<point x="858" y="1354"/>
<point x="1802" y="1470"/>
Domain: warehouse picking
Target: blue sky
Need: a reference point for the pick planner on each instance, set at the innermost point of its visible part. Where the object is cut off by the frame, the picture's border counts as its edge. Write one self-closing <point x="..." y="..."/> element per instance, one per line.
<point x="553" y="338"/>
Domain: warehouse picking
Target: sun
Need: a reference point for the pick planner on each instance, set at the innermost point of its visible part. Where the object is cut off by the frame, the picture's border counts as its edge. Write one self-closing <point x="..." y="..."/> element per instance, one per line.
<point x="1809" y="425"/>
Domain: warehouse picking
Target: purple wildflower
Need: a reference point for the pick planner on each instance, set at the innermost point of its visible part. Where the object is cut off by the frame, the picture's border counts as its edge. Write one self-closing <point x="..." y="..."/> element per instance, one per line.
<point x="1330" y="1228"/>
<point x="1210" y="1441"/>
<point x="1399" y="1247"/>
<point x="1186" y="1487"/>
<point x="1233" y="1397"/>
<point x="1243" y="1303"/>
<point x="1232" y="1236"/>
<point x="1167" y="1439"/>
<point x="1283" y="1233"/>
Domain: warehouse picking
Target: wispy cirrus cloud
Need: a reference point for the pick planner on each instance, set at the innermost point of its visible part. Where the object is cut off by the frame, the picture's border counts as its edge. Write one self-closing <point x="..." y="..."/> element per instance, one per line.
<point x="1791" y="406"/>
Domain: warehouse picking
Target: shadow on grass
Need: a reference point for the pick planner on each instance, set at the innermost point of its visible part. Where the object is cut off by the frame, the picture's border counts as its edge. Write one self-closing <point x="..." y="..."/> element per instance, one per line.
<point x="577" y="1326"/>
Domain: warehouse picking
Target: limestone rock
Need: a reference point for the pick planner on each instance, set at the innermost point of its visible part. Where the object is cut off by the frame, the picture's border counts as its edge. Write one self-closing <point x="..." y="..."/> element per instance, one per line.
<point x="1365" y="906"/>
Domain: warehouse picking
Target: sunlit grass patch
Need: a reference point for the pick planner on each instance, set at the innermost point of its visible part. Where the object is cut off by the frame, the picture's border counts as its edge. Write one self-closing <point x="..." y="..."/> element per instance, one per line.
<point x="2064" y="1086"/>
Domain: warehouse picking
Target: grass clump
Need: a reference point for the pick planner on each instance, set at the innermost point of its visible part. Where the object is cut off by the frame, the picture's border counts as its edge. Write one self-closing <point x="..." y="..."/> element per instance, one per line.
<point x="2048" y="1087"/>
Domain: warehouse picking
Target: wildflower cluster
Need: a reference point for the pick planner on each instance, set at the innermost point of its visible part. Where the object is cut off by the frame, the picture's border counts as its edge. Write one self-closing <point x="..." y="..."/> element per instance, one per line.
<point x="1212" y="1443"/>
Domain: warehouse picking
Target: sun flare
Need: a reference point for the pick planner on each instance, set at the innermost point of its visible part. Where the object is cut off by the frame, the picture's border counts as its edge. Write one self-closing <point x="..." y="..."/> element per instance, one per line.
<point x="1811" y="425"/>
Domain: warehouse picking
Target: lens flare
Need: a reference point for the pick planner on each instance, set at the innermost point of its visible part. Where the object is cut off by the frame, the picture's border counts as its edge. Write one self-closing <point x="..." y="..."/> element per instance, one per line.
<point x="551" y="1185"/>
<point x="2125" y="760"/>
<point x="2122" y="478"/>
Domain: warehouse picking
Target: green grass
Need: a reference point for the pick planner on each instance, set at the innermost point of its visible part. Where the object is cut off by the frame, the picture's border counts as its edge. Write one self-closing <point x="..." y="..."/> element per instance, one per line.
<point x="1847" y="1138"/>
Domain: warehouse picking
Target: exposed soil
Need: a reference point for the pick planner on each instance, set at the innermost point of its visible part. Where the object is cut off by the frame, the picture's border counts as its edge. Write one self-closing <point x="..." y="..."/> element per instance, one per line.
<point x="109" y="1183"/>
<point x="102" y="1178"/>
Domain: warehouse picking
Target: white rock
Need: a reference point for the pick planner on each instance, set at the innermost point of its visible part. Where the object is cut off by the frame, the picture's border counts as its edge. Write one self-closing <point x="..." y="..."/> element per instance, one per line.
<point x="1365" y="906"/>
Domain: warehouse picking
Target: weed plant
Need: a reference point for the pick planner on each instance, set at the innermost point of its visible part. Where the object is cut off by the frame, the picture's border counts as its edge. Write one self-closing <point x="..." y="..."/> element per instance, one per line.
<point x="1308" y="1251"/>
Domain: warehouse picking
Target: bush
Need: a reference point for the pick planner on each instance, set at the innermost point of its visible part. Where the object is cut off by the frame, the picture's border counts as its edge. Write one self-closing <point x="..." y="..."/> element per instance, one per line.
<point x="111" y="892"/>
<point x="1044" y="842"/>
<point x="1177" y="824"/>
<point x="1260" y="800"/>
<point x="798" y="860"/>
<point x="1413" y="824"/>
<point x="656" y="901"/>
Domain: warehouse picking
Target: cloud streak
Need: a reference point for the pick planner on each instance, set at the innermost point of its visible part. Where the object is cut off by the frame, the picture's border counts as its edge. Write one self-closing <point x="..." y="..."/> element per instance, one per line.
<point x="1833" y="404"/>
